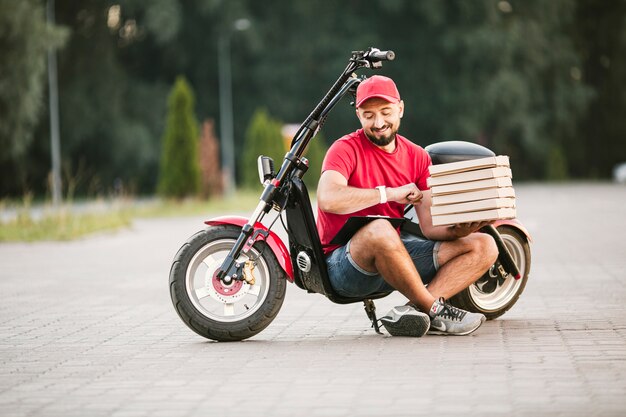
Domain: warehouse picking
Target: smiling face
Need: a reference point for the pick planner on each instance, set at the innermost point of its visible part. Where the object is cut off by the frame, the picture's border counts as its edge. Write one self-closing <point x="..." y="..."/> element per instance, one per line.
<point x="380" y="120"/>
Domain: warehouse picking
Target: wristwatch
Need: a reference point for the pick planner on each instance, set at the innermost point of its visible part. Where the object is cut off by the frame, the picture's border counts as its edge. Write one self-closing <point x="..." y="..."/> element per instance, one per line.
<point x="383" y="193"/>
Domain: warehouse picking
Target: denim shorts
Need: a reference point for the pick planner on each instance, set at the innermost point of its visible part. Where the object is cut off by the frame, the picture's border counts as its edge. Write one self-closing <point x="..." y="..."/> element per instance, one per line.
<point x="350" y="280"/>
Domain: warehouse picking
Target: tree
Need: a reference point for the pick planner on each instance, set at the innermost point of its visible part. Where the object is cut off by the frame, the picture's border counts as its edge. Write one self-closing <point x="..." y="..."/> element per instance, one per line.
<point x="112" y="110"/>
<point x="600" y="37"/>
<point x="263" y="137"/>
<point x="180" y="170"/>
<point x="533" y="79"/>
<point x="499" y="73"/>
<point x="24" y="40"/>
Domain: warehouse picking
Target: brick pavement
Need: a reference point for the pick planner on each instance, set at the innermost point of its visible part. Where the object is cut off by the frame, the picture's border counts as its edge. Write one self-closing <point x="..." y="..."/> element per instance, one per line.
<point x="87" y="329"/>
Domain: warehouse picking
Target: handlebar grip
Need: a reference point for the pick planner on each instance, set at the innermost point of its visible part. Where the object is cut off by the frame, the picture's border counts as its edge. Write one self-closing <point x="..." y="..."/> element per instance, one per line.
<point x="375" y="55"/>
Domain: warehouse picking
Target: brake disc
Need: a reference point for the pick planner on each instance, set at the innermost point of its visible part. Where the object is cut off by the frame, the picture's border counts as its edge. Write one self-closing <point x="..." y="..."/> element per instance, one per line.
<point x="226" y="293"/>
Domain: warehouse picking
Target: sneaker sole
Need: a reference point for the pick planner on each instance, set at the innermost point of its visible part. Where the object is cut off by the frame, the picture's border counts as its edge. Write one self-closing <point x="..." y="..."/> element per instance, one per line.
<point x="407" y="325"/>
<point x="446" y="333"/>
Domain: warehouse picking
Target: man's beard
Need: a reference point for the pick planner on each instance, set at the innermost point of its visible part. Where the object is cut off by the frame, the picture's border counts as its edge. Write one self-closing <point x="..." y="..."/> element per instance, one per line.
<point x="383" y="140"/>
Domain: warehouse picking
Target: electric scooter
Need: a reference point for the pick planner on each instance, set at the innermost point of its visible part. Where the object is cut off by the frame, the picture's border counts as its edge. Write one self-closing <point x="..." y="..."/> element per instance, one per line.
<point x="228" y="281"/>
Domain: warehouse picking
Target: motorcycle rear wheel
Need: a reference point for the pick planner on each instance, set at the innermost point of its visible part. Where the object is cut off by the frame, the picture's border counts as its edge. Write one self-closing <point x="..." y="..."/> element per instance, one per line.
<point x="213" y="309"/>
<point x="491" y="295"/>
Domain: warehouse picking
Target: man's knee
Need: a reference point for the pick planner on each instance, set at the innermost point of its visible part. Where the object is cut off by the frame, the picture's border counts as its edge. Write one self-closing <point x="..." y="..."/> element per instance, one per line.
<point x="485" y="248"/>
<point x="379" y="234"/>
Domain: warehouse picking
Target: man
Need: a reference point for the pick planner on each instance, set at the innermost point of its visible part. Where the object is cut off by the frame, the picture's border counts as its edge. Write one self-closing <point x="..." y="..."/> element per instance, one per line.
<point x="375" y="171"/>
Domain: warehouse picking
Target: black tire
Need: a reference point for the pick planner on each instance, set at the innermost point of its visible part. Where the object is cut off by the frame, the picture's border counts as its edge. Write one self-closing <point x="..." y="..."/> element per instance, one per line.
<point x="220" y="312"/>
<point x="492" y="296"/>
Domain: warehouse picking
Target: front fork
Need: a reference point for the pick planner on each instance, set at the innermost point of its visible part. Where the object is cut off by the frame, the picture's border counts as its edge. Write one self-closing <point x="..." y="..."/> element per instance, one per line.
<point x="231" y="269"/>
<point x="271" y="197"/>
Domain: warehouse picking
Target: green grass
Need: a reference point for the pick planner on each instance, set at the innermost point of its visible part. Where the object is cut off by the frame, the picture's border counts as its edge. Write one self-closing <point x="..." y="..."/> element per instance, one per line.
<point x="61" y="225"/>
<point x="64" y="224"/>
<point x="242" y="201"/>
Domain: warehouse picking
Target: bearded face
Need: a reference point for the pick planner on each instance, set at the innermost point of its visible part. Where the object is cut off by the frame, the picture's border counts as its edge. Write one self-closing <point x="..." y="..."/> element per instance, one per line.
<point x="380" y="120"/>
<point x="382" y="137"/>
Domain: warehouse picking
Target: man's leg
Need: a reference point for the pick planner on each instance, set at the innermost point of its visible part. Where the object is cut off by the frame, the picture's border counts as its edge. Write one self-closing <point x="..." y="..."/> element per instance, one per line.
<point x="377" y="247"/>
<point x="462" y="262"/>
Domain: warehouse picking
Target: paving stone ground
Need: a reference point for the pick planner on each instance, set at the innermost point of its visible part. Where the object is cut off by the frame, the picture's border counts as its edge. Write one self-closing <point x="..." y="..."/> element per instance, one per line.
<point x="87" y="329"/>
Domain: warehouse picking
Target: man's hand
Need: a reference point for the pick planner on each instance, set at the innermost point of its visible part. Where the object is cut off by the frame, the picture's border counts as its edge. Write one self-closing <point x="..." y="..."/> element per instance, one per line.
<point x="464" y="229"/>
<point x="407" y="194"/>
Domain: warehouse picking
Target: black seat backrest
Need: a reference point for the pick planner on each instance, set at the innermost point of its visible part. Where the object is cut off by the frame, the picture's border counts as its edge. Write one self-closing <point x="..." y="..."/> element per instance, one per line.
<point x="456" y="150"/>
<point x="303" y="237"/>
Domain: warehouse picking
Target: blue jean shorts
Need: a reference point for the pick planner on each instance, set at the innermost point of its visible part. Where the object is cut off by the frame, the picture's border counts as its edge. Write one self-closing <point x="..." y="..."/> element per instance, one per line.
<point x="350" y="280"/>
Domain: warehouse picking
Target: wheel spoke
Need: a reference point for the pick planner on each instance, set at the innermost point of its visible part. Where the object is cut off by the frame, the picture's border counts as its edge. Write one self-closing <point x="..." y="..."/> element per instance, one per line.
<point x="202" y="292"/>
<point x="209" y="261"/>
<point x="254" y="290"/>
<point x="229" y="309"/>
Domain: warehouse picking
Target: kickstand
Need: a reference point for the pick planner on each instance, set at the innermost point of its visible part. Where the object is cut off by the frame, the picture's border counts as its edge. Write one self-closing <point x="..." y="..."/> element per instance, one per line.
<point x="370" y="310"/>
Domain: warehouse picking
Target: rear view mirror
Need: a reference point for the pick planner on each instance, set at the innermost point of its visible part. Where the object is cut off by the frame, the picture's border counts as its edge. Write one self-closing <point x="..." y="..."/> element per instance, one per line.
<point x="265" y="164"/>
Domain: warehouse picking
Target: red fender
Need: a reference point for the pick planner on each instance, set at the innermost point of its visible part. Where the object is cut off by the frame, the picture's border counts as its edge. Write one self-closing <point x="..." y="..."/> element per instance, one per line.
<point x="514" y="223"/>
<point x="274" y="242"/>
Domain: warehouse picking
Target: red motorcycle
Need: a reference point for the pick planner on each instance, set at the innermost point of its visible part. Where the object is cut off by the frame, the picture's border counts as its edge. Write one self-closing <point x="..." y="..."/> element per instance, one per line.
<point x="228" y="281"/>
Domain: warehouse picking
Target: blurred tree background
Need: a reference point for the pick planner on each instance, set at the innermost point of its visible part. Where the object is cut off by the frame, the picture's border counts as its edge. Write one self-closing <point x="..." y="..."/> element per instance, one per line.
<point x="180" y="170"/>
<point x="263" y="137"/>
<point x="541" y="81"/>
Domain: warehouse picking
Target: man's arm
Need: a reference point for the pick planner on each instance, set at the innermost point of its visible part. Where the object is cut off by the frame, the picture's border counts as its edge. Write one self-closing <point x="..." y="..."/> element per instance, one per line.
<point x="422" y="208"/>
<point x="334" y="195"/>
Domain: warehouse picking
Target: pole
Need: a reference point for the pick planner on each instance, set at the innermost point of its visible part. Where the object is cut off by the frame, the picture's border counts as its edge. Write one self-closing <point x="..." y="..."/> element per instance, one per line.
<point x="55" y="143"/>
<point x="226" y="113"/>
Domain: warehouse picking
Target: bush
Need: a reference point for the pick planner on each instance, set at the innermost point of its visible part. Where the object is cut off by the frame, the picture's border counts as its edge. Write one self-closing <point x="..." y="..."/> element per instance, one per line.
<point x="180" y="169"/>
<point x="263" y="137"/>
<point x="557" y="165"/>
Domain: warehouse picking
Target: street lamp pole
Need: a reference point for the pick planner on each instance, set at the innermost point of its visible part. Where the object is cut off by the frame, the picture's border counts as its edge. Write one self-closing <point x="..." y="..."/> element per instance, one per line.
<point x="55" y="142"/>
<point x="226" y="105"/>
<point x="226" y="113"/>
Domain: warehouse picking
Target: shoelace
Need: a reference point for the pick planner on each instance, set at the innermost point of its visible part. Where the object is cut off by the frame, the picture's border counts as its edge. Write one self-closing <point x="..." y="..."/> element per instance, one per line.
<point x="451" y="312"/>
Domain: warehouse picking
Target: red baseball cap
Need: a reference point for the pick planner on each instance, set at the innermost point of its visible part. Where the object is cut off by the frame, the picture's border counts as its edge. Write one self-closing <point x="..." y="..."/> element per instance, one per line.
<point x="377" y="86"/>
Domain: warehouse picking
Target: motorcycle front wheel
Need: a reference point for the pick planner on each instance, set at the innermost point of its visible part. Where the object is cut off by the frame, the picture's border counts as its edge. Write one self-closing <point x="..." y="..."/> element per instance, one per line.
<point x="493" y="295"/>
<point x="218" y="311"/>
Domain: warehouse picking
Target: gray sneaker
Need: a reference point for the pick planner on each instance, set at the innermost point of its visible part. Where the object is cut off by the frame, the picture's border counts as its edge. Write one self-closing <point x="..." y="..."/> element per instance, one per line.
<point x="449" y="320"/>
<point x="406" y="321"/>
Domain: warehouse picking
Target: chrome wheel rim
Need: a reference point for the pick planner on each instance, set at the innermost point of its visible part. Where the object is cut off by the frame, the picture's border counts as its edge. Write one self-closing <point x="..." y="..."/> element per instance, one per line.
<point x="219" y="302"/>
<point x="506" y="288"/>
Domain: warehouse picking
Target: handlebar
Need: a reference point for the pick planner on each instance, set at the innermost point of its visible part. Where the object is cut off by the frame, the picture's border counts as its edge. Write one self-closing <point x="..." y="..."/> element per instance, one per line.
<point x="372" y="57"/>
<point x="376" y="55"/>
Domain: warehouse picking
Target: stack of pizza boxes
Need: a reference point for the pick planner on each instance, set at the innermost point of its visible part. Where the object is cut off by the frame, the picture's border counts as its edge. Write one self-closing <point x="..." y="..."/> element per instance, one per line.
<point x="471" y="191"/>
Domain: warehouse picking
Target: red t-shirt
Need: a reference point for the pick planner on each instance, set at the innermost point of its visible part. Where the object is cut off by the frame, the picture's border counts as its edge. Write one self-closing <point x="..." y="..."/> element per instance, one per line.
<point x="367" y="166"/>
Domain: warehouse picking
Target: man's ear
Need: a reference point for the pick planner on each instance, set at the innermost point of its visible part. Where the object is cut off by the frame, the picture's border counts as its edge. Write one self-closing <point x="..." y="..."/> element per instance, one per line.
<point x="401" y="104"/>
